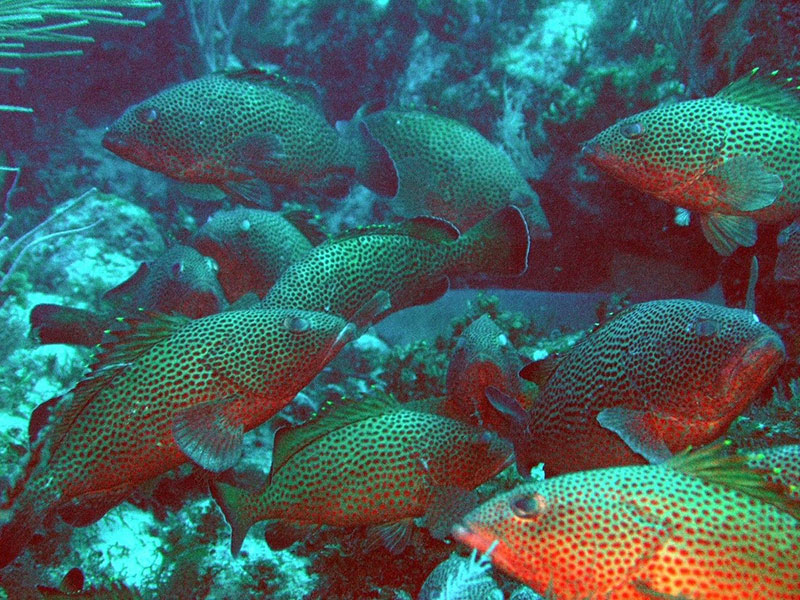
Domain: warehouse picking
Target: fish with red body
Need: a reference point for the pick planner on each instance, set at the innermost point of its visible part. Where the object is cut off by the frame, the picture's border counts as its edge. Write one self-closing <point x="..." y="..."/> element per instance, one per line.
<point x="731" y="157"/>
<point x="656" y="378"/>
<point x="252" y="248"/>
<point x="702" y="526"/>
<point x="180" y="281"/>
<point x="483" y="357"/>
<point x="373" y="462"/>
<point x="233" y="127"/>
<point x="780" y="464"/>
<point x="170" y="390"/>
<point x="412" y="261"/>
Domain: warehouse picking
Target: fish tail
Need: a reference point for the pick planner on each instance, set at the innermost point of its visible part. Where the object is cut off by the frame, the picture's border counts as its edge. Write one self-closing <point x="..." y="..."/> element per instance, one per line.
<point x="240" y="509"/>
<point x="497" y="245"/>
<point x="58" y="324"/>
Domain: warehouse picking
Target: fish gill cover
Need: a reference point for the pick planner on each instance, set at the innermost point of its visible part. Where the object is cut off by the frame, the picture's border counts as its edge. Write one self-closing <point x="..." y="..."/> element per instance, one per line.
<point x="244" y="249"/>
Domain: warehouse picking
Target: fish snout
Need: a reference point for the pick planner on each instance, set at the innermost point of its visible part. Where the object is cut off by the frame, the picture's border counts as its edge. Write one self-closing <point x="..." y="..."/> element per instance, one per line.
<point x="593" y="151"/>
<point x="115" y="142"/>
<point x="752" y="369"/>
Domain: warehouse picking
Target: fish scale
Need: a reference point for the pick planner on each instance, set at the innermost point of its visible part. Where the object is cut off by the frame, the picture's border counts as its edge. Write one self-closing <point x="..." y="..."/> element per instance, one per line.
<point x="656" y="378"/>
<point x="701" y="526"/>
<point x="171" y="390"/>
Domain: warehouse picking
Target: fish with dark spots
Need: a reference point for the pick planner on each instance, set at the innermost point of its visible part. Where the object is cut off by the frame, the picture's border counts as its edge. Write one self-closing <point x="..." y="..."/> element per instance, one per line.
<point x="412" y="261"/>
<point x="780" y="464"/>
<point x="702" y="526"/>
<point x="373" y="462"/>
<point x="787" y="264"/>
<point x="656" y="378"/>
<point x="180" y="281"/>
<point x="733" y="157"/>
<point x="252" y="247"/>
<point x="167" y="391"/>
<point x="442" y="167"/>
<point x="483" y="357"/>
<point x="232" y="127"/>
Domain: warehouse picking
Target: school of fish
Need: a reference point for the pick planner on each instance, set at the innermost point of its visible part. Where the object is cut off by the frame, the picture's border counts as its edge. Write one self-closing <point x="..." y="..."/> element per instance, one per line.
<point x="214" y="338"/>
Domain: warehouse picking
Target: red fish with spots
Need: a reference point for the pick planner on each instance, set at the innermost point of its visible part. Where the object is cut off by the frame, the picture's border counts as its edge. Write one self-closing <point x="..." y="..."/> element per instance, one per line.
<point x="375" y="462"/>
<point x="701" y="526"/>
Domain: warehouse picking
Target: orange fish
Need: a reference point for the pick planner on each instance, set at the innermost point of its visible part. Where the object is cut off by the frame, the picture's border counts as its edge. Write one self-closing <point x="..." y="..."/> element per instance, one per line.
<point x="374" y="462"/>
<point x="168" y="391"/>
<point x="731" y="157"/>
<point x="656" y="378"/>
<point x="700" y="526"/>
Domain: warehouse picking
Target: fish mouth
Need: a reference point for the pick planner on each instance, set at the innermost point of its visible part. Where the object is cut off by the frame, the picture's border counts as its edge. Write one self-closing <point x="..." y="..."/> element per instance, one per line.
<point x="115" y="142"/>
<point x="747" y="373"/>
<point x="593" y="152"/>
<point x="474" y="536"/>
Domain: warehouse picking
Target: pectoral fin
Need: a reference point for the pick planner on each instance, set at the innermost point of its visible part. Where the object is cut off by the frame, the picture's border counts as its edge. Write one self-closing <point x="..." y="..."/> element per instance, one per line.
<point x="208" y="436"/>
<point x="637" y="429"/>
<point x="744" y="184"/>
<point x="727" y="232"/>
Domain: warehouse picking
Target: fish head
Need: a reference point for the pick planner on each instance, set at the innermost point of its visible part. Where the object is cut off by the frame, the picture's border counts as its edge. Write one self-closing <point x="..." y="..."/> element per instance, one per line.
<point x="787" y="265"/>
<point x="311" y="336"/>
<point x="658" y="149"/>
<point x="186" y="282"/>
<point x="698" y="361"/>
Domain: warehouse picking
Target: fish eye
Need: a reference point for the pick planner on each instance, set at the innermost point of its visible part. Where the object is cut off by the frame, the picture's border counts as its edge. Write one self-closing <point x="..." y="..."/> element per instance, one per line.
<point x="177" y="268"/>
<point x="146" y="114"/>
<point x="527" y="507"/>
<point x="704" y="327"/>
<point x="632" y="131"/>
<point x="296" y="324"/>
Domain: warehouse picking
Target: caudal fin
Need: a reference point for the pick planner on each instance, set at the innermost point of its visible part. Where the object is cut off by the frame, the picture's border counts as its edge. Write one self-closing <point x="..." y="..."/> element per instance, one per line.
<point x="58" y="324"/>
<point x="240" y="509"/>
<point x="497" y="245"/>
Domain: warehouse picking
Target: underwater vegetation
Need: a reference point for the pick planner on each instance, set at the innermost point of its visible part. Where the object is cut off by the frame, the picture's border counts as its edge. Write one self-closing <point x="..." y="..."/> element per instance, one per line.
<point x="399" y="299"/>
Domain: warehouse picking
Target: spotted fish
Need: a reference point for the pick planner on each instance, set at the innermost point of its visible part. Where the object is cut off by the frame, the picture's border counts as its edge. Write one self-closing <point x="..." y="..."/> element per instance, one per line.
<point x="733" y="157"/>
<point x="252" y="248"/>
<point x="442" y="167"/>
<point x="787" y="265"/>
<point x="368" y="463"/>
<point x="658" y="377"/>
<point x="701" y="526"/>
<point x="233" y="127"/>
<point x="412" y="261"/>
<point x="781" y="464"/>
<point x="180" y="281"/>
<point x="168" y="391"/>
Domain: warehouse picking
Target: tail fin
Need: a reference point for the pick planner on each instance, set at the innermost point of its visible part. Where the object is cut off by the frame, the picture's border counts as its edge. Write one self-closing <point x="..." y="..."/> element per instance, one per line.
<point x="374" y="168"/>
<point x="240" y="507"/>
<point x="66" y="325"/>
<point x="497" y="245"/>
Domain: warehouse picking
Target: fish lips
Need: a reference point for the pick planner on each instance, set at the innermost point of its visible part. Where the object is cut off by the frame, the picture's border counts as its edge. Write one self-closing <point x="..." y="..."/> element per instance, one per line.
<point x="116" y="143"/>
<point x="747" y="372"/>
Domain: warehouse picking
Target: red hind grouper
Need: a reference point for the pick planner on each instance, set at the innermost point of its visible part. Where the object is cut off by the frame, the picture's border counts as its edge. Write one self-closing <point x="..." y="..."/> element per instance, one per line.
<point x="373" y="462"/>
<point x="483" y="357"/>
<point x="181" y="281"/>
<point x="787" y="264"/>
<point x="169" y="391"/>
<point x="656" y="378"/>
<point x="442" y="167"/>
<point x="701" y="526"/>
<point x="232" y="127"/>
<point x="731" y="157"/>
<point x="252" y="247"/>
<point x="781" y="464"/>
<point x="412" y="261"/>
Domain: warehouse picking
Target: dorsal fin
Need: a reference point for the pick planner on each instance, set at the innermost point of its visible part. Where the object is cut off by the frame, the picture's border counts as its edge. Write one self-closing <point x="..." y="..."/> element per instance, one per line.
<point x="770" y="92"/>
<point x="302" y="90"/>
<point x="330" y="417"/>
<point x="429" y="229"/>
<point x="307" y="223"/>
<point x="713" y="465"/>
<point x="124" y="347"/>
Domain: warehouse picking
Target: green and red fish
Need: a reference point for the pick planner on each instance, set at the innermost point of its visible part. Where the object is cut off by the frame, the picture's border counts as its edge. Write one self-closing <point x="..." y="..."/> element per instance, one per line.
<point x="731" y="157"/>
<point x="412" y="261"/>
<point x="787" y="264"/>
<point x="252" y="247"/>
<point x="374" y="462"/>
<point x="439" y="166"/>
<point x="701" y="526"/>
<point x="780" y="464"/>
<point x="656" y="378"/>
<point x="180" y="281"/>
<point x="168" y="391"/>
<point x="227" y="128"/>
